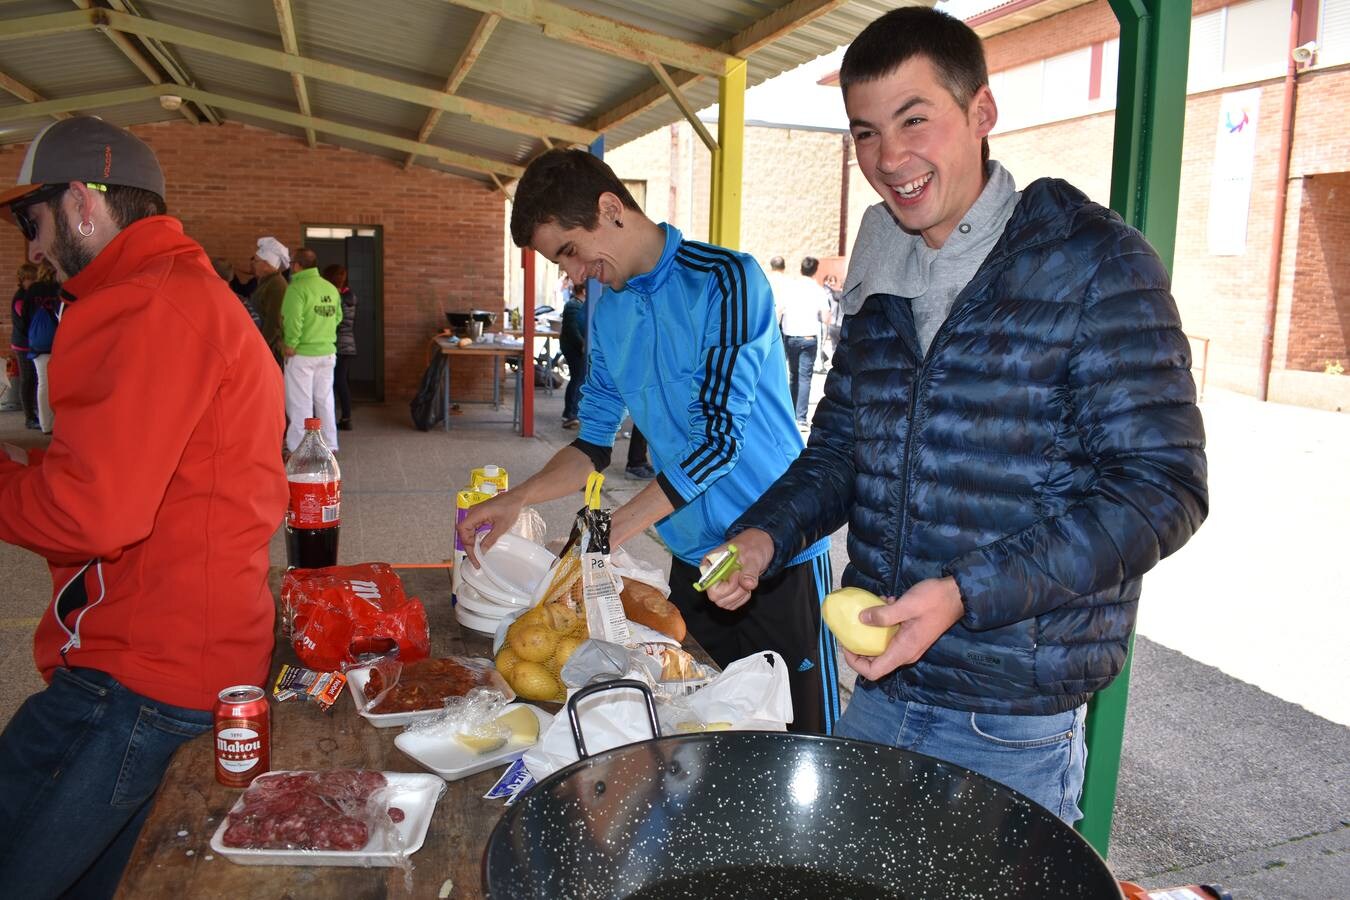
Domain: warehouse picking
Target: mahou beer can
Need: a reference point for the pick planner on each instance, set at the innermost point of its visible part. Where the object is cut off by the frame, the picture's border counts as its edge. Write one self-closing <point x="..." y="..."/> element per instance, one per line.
<point x="243" y="735"/>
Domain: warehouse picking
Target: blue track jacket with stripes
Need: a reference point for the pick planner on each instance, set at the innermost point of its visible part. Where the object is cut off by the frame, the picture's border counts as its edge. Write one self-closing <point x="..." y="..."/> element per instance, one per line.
<point x="692" y="351"/>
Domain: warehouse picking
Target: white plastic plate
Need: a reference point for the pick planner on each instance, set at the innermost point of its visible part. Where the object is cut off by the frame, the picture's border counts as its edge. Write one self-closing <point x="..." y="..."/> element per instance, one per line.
<point x="472" y="601"/>
<point x="475" y="622"/>
<point x="356" y="686"/>
<point x="415" y="793"/>
<point x="451" y="760"/>
<point x="514" y="564"/>
<point x="478" y="581"/>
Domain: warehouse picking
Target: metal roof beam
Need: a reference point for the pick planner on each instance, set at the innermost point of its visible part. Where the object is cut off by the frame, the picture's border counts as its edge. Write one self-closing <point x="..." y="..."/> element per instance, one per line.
<point x="286" y="25"/>
<point x="689" y="112"/>
<point x="604" y="34"/>
<point x="482" y="113"/>
<point x="454" y="158"/>
<point x="167" y="61"/>
<point x="14" y="86"/>
<point x="472" y="50"/>
<point x="133" y="53"/>
<point x="772" y="27"/>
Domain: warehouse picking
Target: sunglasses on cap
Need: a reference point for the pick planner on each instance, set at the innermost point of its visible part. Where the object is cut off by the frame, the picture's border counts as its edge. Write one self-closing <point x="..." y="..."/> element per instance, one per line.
<point x="47" y="192"/>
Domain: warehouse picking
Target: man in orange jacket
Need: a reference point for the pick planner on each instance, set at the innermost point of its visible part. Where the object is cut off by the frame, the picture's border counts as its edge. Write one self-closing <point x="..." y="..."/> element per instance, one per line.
<point x="153" y="505"/>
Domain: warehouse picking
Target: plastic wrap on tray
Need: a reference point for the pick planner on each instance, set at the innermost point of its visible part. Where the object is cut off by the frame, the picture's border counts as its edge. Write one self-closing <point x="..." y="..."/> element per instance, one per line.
<point x="474" y="713"/>
<point x="396" y="687"/>
<point x="341" y="809"/>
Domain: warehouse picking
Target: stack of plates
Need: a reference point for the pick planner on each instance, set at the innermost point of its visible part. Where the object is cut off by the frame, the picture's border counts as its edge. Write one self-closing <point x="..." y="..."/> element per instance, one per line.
<point x="504" y="585"/>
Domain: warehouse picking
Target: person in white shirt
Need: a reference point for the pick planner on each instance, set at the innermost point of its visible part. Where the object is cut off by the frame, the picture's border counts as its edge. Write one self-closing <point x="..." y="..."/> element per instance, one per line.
<point x="803" y="307"/>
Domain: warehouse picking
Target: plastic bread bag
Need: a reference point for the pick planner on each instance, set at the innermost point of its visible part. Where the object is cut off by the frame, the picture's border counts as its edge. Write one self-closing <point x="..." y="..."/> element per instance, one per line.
<point x="393" y="686"/>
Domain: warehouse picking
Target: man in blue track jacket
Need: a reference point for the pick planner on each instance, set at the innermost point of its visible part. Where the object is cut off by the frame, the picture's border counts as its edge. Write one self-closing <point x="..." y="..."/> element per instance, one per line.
<point x="1009" y="429"/>
<point x="685" y="339"/>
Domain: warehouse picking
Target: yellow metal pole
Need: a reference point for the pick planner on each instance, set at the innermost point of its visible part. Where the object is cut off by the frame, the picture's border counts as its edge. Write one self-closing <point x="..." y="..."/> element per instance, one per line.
<point x="724" y="225"/>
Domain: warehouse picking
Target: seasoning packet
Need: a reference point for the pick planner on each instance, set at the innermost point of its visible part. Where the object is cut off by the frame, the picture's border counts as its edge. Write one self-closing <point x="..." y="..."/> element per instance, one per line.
<point x="295" y="682"/>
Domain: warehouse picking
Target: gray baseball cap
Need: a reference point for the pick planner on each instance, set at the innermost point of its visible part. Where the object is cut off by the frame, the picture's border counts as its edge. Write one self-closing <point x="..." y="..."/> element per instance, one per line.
<point x="86" y="148"/>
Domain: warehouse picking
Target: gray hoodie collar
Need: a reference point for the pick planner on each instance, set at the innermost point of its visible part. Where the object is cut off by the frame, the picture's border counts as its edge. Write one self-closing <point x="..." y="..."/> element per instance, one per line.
<point x="887" y="259"/>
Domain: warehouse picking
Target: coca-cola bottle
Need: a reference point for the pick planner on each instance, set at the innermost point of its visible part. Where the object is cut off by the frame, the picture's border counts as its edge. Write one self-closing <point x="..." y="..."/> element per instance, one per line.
<point x="312" y="519"/>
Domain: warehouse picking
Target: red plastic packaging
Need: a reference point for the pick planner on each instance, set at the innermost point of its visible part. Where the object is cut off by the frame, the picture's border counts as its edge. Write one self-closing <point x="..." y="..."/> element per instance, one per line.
<point x="344" y="616"/>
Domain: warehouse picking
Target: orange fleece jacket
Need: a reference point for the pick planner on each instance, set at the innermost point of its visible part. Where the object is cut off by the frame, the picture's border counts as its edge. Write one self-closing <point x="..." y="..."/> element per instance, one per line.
<point x="162" y="486"/>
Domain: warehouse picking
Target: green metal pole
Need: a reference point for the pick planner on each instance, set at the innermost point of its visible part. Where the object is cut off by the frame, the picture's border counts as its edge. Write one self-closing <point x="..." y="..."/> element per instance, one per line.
<point x="1145" y="182"/>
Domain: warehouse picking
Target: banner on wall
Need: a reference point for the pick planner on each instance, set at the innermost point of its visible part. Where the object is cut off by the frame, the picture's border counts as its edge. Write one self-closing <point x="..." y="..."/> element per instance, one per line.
<point x="1230" y="190"/>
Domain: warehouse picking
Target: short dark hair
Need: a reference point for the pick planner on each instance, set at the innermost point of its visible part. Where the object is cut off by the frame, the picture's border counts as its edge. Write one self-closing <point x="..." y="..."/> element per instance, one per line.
<point x="892" y="40"/>
<point x="336" y="275"/>
<point x="777" y="264"/>
<point x="223" y="267"/>
<point x="809" y="265"/>
<point x="563" y="186"/>
<point x="305" y="258"/>
<point x="125" y="204"/>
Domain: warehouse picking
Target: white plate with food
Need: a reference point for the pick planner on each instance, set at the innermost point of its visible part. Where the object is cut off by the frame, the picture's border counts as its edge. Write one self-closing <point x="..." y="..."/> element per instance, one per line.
<point x="357" y="679"/>
<point x="411" y="799"/>
<point x="450" y="758"/>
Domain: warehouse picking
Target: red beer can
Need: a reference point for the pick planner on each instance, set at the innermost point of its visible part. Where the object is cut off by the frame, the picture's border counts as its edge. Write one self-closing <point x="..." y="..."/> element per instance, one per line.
<point x="243" y="735"/>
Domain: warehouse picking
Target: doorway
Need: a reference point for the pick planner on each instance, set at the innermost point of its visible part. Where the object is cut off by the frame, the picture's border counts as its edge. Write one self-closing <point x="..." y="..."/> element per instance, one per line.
<point x="360" y="249"/>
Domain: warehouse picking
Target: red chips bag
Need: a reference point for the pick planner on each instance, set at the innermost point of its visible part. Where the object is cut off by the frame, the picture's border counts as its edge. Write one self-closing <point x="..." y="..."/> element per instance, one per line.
<point x="344" y="616"/>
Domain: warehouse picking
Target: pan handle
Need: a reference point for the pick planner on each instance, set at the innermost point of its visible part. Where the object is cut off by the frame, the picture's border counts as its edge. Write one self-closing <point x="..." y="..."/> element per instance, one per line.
<point x="609" y="686"/>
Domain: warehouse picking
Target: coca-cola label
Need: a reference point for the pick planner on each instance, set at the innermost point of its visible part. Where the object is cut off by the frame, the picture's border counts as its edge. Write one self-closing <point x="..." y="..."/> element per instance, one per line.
<point x="239" y="747"/>
<point x="314" y="504"/>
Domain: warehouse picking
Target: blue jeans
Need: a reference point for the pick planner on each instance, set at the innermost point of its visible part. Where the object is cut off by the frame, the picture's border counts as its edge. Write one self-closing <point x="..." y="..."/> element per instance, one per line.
<point x="801" y="356"/>
<point x="576" y="376"/>
<point x="1041" y="757"/>
<point x="79" y="765"/>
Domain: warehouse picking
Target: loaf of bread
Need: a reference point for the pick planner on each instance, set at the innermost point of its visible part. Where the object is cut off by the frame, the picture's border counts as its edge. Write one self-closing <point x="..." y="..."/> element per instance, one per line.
<point x="645" y="605"/>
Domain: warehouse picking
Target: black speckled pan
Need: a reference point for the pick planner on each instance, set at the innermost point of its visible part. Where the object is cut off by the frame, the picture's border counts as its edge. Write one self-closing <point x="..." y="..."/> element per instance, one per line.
<point x="747" y="815"/>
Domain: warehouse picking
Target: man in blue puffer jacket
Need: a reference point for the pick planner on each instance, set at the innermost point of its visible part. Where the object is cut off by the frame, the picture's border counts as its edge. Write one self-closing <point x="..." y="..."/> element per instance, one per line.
<point x="1009" y="430"/>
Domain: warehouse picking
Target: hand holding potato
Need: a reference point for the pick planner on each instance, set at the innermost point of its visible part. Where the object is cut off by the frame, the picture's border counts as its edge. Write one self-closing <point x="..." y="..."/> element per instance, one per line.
<point x="924" y="613"/>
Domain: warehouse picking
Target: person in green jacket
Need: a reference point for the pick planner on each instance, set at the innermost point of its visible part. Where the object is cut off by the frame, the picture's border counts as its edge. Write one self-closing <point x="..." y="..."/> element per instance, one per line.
<point x="310" y="314"/>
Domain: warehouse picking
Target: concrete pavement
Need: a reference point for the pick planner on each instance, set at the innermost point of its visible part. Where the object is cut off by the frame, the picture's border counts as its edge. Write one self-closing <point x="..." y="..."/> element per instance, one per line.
<point x="1236" y="763"/>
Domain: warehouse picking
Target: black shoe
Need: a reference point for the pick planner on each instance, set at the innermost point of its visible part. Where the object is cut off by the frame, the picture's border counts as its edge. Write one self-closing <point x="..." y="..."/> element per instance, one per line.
<point x="33" y="425"/>
<point x="344" y="425"/>
<point x="571" y="424"/>
<point x="641" y="473"/>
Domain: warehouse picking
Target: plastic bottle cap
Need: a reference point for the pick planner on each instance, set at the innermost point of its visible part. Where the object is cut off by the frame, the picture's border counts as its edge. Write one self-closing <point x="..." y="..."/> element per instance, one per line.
<point x="491" y="471"/>
<point x="312" y="424"/>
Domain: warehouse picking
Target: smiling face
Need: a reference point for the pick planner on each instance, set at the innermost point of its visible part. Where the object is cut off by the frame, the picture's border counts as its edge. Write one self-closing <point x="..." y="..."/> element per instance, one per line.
<point x="583" y="254"/>
<point x="918" y="148"/>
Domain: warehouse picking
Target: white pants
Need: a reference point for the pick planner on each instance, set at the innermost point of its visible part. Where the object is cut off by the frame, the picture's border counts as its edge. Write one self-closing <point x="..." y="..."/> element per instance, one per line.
<point x="309" y="392"/>
<point x="44" y="403"/>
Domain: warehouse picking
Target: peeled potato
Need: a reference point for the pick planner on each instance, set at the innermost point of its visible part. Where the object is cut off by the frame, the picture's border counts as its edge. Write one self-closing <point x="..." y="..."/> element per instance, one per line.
<point x="840" y="611"/>
<point x="533" y="682"/>
<point x="532" y="643"/>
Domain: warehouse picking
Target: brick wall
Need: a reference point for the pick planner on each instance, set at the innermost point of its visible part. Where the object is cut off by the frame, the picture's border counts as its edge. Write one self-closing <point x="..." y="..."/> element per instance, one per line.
<point x="1222" y="298"/>
<point x="231" y="184"/>
<point x="1319" y="322"/>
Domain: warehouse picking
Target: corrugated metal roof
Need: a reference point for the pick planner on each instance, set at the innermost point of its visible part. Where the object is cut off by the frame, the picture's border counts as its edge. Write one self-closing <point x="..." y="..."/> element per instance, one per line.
<point x="417" y="44"/>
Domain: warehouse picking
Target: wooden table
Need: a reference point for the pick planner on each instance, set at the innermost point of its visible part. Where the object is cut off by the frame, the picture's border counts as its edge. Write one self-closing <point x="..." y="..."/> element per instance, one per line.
<point x="493" y="351"/>
<point x="173" y="857"/>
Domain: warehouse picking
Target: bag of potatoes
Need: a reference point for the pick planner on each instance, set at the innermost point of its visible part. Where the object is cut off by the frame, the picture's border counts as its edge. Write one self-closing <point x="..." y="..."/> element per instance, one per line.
<point x="580" y="601"/>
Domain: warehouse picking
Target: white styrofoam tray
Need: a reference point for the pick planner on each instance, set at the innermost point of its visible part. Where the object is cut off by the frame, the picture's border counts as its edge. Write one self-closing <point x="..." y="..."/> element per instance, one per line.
<point x="356" y="686"/>
<point x="415" y="793"/>
<point x="451" y="760"/>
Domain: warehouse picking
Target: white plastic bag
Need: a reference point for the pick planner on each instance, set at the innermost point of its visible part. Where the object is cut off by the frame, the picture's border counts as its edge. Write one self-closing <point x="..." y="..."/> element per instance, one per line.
<point x="751" y="695"/>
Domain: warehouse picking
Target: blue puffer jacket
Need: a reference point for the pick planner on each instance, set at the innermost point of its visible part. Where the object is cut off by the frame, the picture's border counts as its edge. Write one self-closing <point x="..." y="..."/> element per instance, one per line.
<point x="1047" y="452"/>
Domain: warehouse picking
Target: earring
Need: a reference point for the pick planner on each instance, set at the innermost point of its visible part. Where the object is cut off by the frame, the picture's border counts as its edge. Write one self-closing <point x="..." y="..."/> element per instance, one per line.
<point x="618" y="223"/>
<point x="88" y="233"/>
